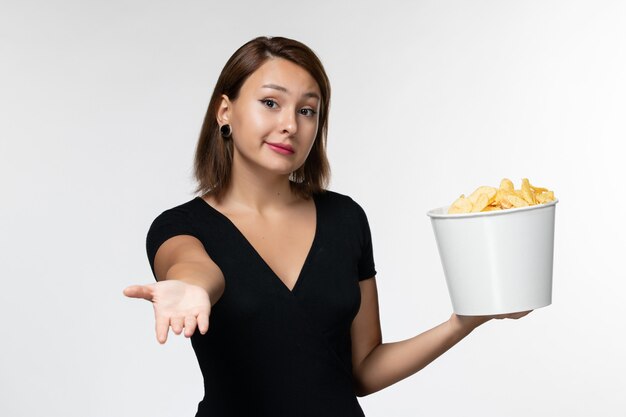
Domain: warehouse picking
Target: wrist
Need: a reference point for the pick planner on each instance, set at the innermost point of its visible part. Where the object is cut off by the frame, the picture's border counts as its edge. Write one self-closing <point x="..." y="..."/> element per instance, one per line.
<point x="198" y="275"/>
<point x="184" y="273"/>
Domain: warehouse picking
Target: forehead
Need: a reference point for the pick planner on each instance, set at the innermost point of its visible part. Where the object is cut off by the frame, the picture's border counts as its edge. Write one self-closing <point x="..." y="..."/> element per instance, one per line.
<point x="279" y="71"/>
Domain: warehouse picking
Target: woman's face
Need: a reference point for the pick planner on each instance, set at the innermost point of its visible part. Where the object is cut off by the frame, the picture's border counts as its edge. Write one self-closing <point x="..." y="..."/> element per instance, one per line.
<point x="274" y="119"/>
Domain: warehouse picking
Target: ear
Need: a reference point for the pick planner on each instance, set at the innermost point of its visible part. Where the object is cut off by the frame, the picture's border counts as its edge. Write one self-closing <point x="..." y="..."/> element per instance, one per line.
<point x="224" y="110"/>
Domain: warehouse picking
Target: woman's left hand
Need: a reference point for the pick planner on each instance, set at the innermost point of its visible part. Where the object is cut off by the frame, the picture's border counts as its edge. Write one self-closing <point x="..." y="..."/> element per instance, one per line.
<point x="514" y="316"/>
<point x="469" y="323"/>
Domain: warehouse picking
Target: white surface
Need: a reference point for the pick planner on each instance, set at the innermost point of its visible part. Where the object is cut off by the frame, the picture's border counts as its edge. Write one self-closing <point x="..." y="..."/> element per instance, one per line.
<point x="101" y="103"/>
<point x="497" y="262"/>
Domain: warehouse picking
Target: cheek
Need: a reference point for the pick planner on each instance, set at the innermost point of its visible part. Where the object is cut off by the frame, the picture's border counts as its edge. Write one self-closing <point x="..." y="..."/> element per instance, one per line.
<point x="251" y="122"/>
<point x="312" y="130"/>
<point x="311" y="135"/>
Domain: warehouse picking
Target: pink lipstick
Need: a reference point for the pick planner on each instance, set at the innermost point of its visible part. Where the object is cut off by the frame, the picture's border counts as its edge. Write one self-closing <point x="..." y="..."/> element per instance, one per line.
<point x="281" y="148"/>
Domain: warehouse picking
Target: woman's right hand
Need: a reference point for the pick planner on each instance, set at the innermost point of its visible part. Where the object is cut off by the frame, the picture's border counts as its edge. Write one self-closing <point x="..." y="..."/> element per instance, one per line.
<point x="177" y="305"/>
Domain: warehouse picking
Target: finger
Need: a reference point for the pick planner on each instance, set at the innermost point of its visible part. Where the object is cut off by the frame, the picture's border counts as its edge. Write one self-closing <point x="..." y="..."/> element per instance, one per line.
<point x="162" y="326"/>
<point x="513" y="316"/>
<point x="190" y="325"/>
<point x="517" y="315"/>
<point x="177" y="324"/>
<point x="203" y="321"/>
<point x="522" y="314"/>
<point x="140" y="291"/>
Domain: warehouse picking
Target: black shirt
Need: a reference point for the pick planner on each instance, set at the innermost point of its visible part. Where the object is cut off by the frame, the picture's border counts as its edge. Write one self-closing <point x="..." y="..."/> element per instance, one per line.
<point x="270" y="351"/>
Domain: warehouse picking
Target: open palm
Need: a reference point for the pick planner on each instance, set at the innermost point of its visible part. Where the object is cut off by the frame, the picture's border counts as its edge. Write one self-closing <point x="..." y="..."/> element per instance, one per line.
<point x="177" y="305"/>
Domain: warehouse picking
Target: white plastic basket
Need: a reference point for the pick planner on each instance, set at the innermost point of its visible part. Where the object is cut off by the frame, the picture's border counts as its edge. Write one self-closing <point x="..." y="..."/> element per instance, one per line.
<point x="497" y="262"/>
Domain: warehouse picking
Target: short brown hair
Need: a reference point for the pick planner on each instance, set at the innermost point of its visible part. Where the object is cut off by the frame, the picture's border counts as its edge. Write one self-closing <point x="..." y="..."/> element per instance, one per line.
<point x="214" y="155"/>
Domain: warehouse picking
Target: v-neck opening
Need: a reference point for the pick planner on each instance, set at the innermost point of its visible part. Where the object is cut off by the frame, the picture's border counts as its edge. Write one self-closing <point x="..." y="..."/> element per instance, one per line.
<point x="258" y="255"/>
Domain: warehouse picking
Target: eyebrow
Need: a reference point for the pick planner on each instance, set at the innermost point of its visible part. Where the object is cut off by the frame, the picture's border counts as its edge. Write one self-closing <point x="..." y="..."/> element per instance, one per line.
<point x="283" y="89"/>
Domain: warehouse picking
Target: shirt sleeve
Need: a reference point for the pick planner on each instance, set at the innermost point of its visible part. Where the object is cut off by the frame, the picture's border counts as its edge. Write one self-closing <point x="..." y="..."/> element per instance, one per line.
<point x="170" y="223"/>
<point x="367" y="268"/>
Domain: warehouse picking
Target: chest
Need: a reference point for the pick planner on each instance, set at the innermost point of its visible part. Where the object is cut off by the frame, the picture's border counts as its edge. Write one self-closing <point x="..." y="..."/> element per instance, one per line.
<point x="283" y="244"/>
<point x="308" y="263"/>
<point x="281" y="241"/>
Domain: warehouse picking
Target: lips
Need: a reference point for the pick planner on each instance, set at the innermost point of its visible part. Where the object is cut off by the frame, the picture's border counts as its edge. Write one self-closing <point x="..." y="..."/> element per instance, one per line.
<point x="281" y="146"/>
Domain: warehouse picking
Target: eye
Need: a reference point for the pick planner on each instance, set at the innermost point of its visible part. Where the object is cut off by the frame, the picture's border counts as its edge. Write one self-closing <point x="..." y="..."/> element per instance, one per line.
<point x="308" y="112"/>
<point x="268" y="102"/>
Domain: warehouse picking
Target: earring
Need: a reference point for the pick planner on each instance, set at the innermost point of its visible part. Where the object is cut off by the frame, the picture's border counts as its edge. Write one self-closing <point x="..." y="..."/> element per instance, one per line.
<point x="226" y="131"/>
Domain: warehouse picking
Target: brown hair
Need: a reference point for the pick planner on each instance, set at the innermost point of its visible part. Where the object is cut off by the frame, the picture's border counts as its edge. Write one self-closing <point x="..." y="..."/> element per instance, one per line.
<point x="214" y="155"/>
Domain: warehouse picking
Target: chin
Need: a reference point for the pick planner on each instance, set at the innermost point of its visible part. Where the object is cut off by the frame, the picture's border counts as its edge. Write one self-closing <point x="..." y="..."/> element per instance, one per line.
<point x="281" y="169"/>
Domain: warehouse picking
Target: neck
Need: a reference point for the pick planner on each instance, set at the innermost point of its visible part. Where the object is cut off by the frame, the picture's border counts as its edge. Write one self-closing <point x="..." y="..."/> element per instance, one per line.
<point x="258" y="190"/>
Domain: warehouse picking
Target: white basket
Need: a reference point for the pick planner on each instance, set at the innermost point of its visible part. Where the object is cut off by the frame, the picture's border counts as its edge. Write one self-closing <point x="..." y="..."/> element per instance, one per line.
<point x="498" y="261"/>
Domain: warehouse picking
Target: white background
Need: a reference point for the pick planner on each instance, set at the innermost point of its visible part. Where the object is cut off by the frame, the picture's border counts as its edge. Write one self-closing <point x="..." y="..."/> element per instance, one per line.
<point x="101" y="104"/>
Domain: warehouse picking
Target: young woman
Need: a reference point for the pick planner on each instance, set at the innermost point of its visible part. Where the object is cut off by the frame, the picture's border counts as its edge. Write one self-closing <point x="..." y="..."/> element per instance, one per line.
<point x="281" y="268"/>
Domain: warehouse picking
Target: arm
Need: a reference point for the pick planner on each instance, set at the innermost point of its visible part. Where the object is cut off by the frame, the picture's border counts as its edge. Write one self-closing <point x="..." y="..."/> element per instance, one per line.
<point x="183" y="258"/>
<point x="189" y="283"/>
<point x="377" y="365"/>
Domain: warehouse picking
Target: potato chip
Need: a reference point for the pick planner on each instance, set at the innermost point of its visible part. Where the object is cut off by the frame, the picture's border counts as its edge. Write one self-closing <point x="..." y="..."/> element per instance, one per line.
<point x="490" y="192"/>
<point x="537" y="189"/>
<point x="545" y="196"/>
<point x="481" y="198"/>
<point x="516" y="200"/>
<point x="506" y="184"/>
<point x="461" y="205"/>
<point x="481" y="202"/>
<point x="527" y="193"/>
<point x="487" y="198"/>
<point x="505" y="198"/>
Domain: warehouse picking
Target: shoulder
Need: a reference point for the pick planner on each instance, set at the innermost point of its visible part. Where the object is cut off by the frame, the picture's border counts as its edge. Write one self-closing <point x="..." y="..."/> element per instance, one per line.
<point x="185" y="210"/>
<point x="176" y="220"/>
<point x="334" y="198"/>
<point x="341" y="205"/>
<point x="349" y="221"/>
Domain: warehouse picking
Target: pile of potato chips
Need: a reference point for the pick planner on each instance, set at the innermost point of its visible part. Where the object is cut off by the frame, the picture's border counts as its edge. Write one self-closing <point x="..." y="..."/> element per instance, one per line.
<point x="490" y="198"/>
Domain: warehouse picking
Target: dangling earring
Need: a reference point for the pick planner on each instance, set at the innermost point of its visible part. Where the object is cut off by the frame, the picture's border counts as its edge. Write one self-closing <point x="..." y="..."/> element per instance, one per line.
<point x="226" y="131"/>
<point x="297" y="176"/>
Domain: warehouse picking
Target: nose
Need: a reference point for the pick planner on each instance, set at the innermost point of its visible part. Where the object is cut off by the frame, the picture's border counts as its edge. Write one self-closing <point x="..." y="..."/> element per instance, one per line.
<point x="289" y="122"/>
